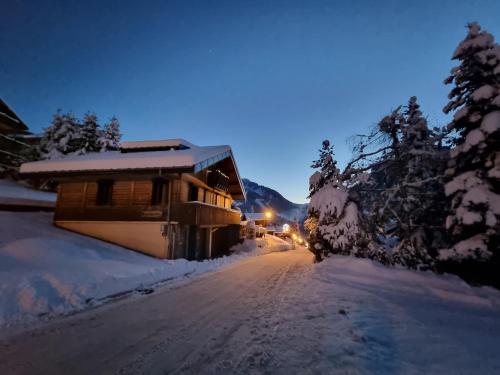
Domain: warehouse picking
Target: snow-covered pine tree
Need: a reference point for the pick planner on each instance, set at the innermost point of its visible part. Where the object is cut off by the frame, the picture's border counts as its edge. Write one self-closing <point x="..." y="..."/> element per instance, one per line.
<point x="88" y="135"/>
<point x="333" y="221"/>
<point x="110" y="136"/>
<point x="474" y="166"/>
<point x="326" y="165"/>
<point x="404" y="161"/>
<point x="58" y="138"/>
<point x="419" y="195"/>
<point x="379" y="153"/>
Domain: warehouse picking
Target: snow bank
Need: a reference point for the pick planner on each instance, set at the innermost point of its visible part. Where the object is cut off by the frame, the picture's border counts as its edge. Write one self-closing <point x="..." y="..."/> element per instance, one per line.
<point x="14" y="193"/>
<point x="45" y="270"/>
<point x="393" y="320"/>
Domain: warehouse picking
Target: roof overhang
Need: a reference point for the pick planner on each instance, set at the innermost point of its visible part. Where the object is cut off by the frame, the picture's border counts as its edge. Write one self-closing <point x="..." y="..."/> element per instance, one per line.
<point x="10" y="121"/>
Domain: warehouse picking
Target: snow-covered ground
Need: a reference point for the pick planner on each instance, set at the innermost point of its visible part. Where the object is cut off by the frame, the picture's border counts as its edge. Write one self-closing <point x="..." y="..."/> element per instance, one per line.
<point x="278" y="314"/>
<point x="48" y="271"/>
<point x="15" y="193"/>
<point x="392" y="320"/>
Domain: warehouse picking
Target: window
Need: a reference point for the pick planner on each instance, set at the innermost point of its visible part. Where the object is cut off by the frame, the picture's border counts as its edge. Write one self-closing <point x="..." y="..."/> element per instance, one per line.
<point x="192" y="193"/>
<point x="104" y="192"/>
<point x="158" y="193"/>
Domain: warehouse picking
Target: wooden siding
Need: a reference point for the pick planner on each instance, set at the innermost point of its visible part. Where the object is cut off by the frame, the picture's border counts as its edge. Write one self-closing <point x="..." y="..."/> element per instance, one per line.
<point x="91" y="194"/>
<point x="142" y="193"/>
<point x="131" y="201"/>
<point x="121" y="193"/>
<point x="107" y="213"/>
<point x="201" y="194"/>
<point x="183" y="190"/>
<point x="71" y="194"/>
<point x="194" y="213"/>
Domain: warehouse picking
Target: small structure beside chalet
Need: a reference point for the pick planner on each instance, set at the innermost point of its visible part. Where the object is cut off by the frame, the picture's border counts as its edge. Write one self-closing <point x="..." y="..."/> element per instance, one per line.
<point x="258" y="217"/>
<point x="170" y="199"/>
<point x="12" y="145"/>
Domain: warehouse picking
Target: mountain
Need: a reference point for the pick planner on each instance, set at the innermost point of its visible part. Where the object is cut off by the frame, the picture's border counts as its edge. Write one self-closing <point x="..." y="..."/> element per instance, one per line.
<point x="260" y="198"/>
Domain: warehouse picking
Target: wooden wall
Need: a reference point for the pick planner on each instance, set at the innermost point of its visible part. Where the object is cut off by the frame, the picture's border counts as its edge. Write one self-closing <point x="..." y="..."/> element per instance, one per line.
<point x="122" y="193"/>
<point x="71" y="194"/>
<point x="206" y="194"/>
<point x="131" y="201"/>
<point x="142" y="193"/>
<point x="125" y="193"/>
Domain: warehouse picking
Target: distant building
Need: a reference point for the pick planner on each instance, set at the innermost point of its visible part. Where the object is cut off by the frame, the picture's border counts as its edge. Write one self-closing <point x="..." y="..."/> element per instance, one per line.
<point x="258" y="217"/>
<point x="170" y="199"/>
<point x="13" y="147"/>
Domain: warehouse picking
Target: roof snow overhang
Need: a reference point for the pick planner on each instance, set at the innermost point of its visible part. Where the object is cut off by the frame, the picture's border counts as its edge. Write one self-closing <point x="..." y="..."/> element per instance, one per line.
<point x="9" y="121"/>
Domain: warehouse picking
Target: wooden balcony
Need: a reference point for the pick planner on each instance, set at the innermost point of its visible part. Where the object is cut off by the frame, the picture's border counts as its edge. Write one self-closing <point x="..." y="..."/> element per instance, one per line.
<point x="109" y="213"/>
<point x="185" y="213"/>
<point x="198" y="213"/>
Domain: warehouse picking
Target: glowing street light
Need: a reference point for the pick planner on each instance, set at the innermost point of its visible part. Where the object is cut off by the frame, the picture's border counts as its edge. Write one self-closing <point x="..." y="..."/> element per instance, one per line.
<point x="268" y="214"/>
<point x="286" y="228"/>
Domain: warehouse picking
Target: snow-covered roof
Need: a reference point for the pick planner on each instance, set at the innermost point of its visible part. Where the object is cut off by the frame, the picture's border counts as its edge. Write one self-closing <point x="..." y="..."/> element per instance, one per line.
<point x="156" y="144"/>
<point x="195" y="158"/>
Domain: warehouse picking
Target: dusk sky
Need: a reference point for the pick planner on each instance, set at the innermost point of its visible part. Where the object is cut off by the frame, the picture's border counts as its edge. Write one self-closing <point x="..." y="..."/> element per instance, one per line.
<point x="270" y="78"/>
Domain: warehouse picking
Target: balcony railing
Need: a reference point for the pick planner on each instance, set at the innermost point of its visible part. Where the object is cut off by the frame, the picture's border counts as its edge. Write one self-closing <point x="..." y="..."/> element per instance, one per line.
<point x="199" y="213"/>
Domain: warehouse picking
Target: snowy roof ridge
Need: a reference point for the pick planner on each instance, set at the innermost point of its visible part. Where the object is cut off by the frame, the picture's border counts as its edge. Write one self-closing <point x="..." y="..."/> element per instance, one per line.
<point x="157" y="143"/>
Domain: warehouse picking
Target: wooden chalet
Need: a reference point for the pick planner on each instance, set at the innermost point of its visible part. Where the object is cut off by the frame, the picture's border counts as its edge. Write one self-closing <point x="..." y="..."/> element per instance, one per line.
<point x="170" y="199"/>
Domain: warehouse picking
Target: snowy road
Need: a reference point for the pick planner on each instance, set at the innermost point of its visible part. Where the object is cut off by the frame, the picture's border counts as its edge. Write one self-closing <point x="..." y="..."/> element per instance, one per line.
<point x="234" y="321"/>
<point x="277" y="314"/>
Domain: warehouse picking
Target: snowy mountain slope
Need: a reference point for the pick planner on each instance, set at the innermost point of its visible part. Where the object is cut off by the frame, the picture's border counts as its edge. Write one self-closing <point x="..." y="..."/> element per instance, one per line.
<point x="261" y="197"/>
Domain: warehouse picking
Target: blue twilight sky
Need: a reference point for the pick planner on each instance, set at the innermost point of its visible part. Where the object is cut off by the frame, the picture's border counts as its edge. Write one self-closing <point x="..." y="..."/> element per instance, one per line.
<point x="270" y="78"/>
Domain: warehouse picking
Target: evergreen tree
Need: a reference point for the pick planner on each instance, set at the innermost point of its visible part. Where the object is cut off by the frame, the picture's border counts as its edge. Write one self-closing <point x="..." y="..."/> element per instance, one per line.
<point x="110" y="136"/>
<point x="377" y="157"/>
<point x="419" y="194"/>
<point x="405" y="162"/>
<point x="87" y="140"/>
<point x="334" y="222"/>
<point x="474" y="167"/>
<point x="58" y="138"/>
<point x="327" y="168"/>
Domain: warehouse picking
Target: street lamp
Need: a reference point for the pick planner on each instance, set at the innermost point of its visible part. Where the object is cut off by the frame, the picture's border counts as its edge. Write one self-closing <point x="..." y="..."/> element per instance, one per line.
<point x="268" y="215"/>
